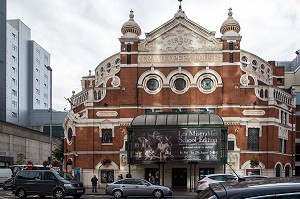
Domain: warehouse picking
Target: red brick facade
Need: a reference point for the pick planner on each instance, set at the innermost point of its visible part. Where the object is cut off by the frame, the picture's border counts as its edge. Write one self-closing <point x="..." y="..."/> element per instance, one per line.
<point x="245" y="94"/>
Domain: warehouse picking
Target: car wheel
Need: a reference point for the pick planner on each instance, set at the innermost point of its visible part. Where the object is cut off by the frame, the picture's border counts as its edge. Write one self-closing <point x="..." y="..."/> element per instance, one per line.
<point x="77" y="196"/>
<point x="21" y="193"/>
<point x="42" y="196"/>
<point x="118" y="194"/>
<point x="157" y="194"/>
<point x="58" y="193"/>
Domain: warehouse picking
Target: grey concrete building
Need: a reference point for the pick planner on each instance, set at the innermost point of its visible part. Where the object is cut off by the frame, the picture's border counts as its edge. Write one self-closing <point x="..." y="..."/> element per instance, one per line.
<point x="2" y="58"/>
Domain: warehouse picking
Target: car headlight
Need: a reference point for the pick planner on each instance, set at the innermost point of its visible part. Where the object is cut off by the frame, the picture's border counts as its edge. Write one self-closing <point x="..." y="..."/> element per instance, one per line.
<point x="68" y="185"/>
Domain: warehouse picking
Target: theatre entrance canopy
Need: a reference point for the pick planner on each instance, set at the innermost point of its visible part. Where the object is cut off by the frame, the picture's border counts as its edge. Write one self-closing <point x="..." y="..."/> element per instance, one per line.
<point x="177" y="137"/>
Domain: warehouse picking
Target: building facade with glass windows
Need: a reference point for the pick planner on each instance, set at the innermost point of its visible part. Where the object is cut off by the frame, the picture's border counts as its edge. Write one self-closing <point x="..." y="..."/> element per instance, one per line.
<point x="179" y="104"/>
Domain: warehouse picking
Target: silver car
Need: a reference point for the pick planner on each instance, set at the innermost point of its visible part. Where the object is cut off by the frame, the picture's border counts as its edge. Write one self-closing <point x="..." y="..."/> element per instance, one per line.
<point x="136" y="187"/>
<point x="205" y="180"/>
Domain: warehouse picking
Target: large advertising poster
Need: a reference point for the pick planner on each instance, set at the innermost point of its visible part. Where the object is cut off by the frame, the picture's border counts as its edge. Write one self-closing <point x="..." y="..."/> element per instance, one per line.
<point x="176" y="145"/>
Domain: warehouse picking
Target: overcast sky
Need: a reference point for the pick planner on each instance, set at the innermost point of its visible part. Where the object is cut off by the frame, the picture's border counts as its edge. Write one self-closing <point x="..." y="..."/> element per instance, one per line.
<point x="79" y="34"/>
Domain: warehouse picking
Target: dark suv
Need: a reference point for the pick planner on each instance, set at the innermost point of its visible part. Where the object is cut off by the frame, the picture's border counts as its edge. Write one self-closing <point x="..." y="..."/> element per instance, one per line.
<point x="268" y="188"/>
<point x="45" y="183"/>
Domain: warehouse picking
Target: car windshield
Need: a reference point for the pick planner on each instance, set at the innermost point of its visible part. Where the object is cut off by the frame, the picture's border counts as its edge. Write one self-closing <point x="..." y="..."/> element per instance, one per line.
<point x="64" y="175"/>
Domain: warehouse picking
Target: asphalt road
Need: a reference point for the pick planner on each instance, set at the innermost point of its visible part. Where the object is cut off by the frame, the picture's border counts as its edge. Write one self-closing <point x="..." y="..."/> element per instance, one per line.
<point x="8" y="195"/>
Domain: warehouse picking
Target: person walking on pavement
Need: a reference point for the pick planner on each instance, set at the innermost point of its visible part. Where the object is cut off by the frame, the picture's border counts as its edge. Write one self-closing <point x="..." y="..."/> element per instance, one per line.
<point x="94" y="181"/>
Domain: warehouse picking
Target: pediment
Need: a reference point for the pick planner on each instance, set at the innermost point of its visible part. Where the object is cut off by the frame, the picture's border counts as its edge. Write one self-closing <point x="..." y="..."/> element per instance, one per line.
<point x="180" y="35"/>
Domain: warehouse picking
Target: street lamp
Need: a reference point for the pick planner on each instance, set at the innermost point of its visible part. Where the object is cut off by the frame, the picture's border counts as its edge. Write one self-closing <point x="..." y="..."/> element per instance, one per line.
<point x="50" y="70"/>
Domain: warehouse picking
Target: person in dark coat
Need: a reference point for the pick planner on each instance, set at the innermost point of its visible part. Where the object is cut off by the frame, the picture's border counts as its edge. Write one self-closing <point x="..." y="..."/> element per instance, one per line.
<point x="94" y="181"/>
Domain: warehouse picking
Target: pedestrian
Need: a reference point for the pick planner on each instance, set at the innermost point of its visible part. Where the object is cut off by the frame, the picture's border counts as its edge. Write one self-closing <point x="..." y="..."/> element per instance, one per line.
<point x="94" y="181"/>
<point x="120" y="177"/>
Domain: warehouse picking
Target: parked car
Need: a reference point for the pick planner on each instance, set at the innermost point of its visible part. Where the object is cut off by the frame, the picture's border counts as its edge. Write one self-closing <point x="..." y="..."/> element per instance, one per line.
<point x="46" y="183"/>
<point x="205" y="180"/>
<point x="280" y="188"/>
<point x="5" y="174"/>
<point x="253" y="177"/>
<point x="136" y="187"/>
<point x="8" y="184"/>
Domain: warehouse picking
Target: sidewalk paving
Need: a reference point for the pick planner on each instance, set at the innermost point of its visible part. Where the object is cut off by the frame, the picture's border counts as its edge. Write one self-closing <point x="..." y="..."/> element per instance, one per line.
<point x="101" y="191"/>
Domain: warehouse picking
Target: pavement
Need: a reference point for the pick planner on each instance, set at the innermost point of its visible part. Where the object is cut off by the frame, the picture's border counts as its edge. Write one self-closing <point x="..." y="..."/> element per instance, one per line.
<point x="101" y="191"/>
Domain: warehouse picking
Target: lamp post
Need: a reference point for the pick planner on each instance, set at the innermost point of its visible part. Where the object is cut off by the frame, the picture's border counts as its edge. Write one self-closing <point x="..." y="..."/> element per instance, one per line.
<point x="50" y="70"/>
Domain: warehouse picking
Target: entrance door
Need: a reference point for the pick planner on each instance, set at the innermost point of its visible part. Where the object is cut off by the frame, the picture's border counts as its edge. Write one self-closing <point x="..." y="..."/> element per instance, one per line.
<point x="179" y="177"/>
<point x="152" y="175"/>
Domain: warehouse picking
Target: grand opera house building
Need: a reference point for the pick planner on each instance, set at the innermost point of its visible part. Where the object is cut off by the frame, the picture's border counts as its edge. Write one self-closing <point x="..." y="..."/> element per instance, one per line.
<point x="179" y="104"/>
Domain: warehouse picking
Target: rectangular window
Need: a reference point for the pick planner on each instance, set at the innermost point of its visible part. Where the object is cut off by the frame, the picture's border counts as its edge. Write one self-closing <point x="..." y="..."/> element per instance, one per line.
<point x="14" y="104"/>
<point x="14" y="59"/>
<point x="14" y="81"/>
<point x="231" y="46"/>
<point x="14" y="36"/>
<point x="279" y="81"/>
<point x="148" y="111"/>
<point x="37" y="91"/>
<point x="14" y="114"/>
<point x="128" y="47"/>
<point x="106" y="135"/>
<point x="230" y="57"/>
<point x="14" y="92"/>
<point x="37" y="51"/>
<point x="37" y="101"/>
<point x="128" y="59"/>
<point x="14" y="47"/>
<point x="230" y="145"/>
<point x="283" y="117"/>
<point x="253" y="139"/>
<point x="297" y="98"/>
<point x="37" y="61"/>
<point x="46" y="58"/>
<point x="37" y="70"/>
<point x="14" y="69"/>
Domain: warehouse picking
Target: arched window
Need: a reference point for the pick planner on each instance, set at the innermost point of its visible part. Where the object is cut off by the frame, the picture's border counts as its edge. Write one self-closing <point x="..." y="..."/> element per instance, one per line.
<point x="287" y="171"/>
<point x="278" y="170"/>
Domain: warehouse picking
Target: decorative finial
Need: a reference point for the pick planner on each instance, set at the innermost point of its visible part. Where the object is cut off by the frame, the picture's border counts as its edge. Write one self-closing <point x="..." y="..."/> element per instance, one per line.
<point x="230" y="12"/>
<point x="180" y="4"/>
<point x="131" y="15"/>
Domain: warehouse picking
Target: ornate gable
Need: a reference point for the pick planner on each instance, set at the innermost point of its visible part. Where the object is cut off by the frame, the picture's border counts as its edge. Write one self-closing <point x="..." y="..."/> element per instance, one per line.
<point x="180" y="35"/>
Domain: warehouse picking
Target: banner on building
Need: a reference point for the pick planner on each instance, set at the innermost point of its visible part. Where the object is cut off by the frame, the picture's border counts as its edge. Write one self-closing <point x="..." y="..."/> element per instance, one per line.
<point x="176" y="145"/>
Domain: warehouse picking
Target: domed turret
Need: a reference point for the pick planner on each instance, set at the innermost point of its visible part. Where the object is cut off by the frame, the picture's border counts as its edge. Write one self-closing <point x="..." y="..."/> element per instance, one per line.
<point x="230" y="26"/>
<point x="131" y="26"/>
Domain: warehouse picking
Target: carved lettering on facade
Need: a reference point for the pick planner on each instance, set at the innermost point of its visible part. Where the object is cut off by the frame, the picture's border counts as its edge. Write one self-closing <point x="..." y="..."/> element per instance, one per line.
<point x="144" y="59"/>
<point x="181" y="39"/>
<point x="107" y="113"/>
<point x="254" y="112"/>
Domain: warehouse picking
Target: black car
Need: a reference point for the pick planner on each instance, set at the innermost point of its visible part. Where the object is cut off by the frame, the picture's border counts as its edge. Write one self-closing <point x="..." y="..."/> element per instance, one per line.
<point x="46" y="183"/>
<point x="268" y="188"/>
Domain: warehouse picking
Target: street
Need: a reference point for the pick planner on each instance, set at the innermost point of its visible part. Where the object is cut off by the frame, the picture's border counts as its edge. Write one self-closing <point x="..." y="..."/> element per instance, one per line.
<point x="8" y="194"/>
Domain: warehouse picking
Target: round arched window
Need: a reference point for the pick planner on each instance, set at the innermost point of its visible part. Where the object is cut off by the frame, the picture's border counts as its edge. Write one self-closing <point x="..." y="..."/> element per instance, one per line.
<point x="180" y="84"/>
<point x="152" y="84"/>
<point x="207" y="84"/>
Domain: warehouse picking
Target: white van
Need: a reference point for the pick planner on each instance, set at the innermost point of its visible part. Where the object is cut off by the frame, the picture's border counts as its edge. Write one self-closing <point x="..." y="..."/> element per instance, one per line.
<point x="5" y="174"/>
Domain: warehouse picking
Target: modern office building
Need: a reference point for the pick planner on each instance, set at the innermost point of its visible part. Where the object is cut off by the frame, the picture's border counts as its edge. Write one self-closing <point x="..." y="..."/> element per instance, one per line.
<point x="28" y="81"/>
<point x="181" y="103"/>
<point x="2" y="59"/>
<point x="24" y="95"/>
